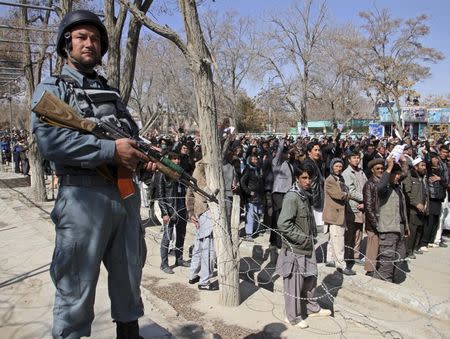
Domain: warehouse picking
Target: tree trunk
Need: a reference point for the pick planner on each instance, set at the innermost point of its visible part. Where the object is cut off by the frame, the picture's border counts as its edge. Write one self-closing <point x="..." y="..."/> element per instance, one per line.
<point x="200" y="63"/>
<point x="37" y="173"/>
<point x="129" y="63"/>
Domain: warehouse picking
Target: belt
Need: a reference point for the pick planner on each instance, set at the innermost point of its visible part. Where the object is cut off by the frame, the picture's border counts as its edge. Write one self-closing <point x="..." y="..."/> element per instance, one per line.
<point x="84" y="180"/>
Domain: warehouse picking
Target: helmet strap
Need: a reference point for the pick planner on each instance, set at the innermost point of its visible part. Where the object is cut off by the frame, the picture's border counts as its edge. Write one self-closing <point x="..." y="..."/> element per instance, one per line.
<point x="68" y="42"/>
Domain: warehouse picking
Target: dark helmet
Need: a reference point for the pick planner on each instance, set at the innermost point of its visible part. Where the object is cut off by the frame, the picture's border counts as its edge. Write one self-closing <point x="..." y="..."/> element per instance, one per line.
<point x="75" y="18"/>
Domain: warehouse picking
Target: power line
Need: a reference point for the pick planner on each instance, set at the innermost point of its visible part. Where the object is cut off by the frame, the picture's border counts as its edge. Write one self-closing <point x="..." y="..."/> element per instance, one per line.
<point x="9" y="74"/>
<point x="27" y="28"/>
<point x="27" y="42"/>
<point x="26" y="6"/>
<point x="12" y="68"/>
<point x="35" y="7"/>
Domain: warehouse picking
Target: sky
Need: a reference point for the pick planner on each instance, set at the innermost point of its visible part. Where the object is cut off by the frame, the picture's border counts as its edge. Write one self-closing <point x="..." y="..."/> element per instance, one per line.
<point x="343" y="11"/>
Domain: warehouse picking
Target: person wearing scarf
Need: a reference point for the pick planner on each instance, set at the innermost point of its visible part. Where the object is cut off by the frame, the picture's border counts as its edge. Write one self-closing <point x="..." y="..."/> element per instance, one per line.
<point x="297" y="260"/>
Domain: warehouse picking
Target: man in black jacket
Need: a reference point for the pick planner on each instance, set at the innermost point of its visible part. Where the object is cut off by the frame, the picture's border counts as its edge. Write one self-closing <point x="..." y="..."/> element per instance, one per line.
<point x="313" y="164"/>
<point x="252" y="183"/>
<point x="171" y="199"/>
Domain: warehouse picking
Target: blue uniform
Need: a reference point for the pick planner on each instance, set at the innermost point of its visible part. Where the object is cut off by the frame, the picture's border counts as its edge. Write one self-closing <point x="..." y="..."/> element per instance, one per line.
<point x="93" y="224"/>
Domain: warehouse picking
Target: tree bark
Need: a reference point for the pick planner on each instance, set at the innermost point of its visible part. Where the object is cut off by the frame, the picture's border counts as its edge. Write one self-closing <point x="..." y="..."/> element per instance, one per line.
<point x="129" y="60"/>
<point x="199" y="60"/>
<point x="37" y="172"/>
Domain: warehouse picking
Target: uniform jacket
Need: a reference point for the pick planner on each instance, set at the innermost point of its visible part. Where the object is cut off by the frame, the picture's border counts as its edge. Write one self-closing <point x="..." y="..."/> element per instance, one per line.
<point x="70" y="151"/>
<point x="335" y="203"/>
<point x="296" y="222"/>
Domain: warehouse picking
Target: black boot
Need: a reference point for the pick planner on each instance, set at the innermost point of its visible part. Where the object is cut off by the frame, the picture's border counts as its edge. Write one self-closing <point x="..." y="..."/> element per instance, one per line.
<point x="128" y="330"/>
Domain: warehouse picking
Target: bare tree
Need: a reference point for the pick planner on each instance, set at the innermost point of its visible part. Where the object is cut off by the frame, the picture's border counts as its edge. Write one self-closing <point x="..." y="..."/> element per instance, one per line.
<point x="33" y="71"/>
<point x="232" y="41"/>
<point x="199" y="59"/>
<point x="163" y="84"/>
<point x="389" y="57"/>
<point x="121" y="70"/>
<point x="289" y="57"/>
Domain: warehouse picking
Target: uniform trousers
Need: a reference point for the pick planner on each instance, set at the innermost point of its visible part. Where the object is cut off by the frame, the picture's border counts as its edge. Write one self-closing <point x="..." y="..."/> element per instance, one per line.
<point x="94" y="225"/>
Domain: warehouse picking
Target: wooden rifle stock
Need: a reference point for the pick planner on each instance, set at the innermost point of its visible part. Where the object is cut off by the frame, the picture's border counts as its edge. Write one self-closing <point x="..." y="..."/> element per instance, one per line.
<point x="57" y="112"/>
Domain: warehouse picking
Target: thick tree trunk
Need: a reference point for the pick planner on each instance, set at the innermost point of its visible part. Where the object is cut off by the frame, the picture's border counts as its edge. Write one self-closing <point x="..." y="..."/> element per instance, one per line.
<point x="37" y="172"/>
<point x="200" y="62"/>
<point x="113" y="66"/>
<point x="129" y="62"/>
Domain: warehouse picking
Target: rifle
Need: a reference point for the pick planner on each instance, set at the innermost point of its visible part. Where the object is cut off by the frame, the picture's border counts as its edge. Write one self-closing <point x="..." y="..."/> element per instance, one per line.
<point x="56" y="112"/>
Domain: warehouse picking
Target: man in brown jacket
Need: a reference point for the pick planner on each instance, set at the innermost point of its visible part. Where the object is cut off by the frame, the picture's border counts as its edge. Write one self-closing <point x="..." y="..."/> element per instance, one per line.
<point x="334" y="213"/>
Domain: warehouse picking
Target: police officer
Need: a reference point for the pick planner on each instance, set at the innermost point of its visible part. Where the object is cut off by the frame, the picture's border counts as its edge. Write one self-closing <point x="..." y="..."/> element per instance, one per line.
<point x="93" y="223"/>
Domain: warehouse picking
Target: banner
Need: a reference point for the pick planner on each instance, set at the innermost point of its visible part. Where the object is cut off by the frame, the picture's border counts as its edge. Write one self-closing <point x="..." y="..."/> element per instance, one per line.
<point x="377" y="130"/>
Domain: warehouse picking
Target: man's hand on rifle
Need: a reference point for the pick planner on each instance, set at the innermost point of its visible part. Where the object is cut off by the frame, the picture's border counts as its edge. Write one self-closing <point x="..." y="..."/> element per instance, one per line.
<point x="127" y="155"/>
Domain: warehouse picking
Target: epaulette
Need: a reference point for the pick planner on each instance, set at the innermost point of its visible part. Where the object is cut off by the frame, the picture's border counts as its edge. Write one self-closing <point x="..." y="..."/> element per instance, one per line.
<point x="50" y="80"/>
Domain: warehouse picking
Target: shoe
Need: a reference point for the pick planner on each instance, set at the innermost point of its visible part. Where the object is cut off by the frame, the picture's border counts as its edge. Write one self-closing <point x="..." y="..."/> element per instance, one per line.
<point x="182" y="263"/>
<point x="360" y="261"/>
<point x="433" y="245"/>
<point x="248" y="238"/>
<point x="348" y="271"/>
<point x="424" y="249"/>
<point x="209" y="287"/>
<point x="442" y="244"/>
<point x="194" y="281"/>
<point x="167" y="270"/>
<point x="412" y="256"/>
<point x="323" y="312"/>
<point x="369" y="273"/>
<point x="330" y="264"/>
<point x="418" y="251"/>
<point x="302" y="324"/>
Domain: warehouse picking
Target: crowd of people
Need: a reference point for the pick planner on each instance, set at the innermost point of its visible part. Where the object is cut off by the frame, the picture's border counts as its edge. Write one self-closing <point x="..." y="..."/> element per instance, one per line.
<point x="351" y="194"/>
<point x="15" y="143"/>
<point x="393" y="191"/>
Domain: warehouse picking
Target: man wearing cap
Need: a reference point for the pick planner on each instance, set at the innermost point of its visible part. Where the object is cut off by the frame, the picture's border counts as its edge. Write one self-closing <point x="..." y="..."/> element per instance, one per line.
<point x="93" y="223"/>
<point x="372" y="212"/>
<point x="415" y="187"/>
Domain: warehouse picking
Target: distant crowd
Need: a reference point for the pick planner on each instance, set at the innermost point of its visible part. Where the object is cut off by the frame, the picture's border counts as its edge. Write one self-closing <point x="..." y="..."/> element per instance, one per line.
<point x="14" y="149"/>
